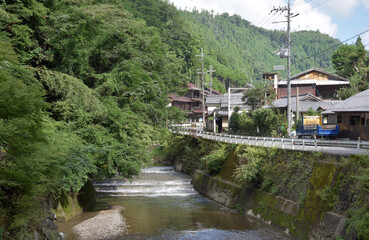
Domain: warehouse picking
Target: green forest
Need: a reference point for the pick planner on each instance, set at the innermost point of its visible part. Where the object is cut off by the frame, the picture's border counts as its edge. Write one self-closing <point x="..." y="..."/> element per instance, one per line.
<point x="85" y="85"/>
<point x="241" y="52"/>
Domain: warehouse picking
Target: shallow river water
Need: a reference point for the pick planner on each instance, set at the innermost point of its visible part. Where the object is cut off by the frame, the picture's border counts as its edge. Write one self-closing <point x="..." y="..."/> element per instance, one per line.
<point x="168" y="215"/>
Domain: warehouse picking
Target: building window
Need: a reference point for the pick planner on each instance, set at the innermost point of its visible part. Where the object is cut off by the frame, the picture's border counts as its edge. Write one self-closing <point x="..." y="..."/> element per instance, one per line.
<point x="354" y="120"/>
<point x="332" y="119"/>
<point x="339" y="118"/>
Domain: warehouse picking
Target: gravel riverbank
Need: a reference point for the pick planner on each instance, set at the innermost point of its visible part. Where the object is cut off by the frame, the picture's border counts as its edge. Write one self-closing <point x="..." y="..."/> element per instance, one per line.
<point x="107" y="224"/>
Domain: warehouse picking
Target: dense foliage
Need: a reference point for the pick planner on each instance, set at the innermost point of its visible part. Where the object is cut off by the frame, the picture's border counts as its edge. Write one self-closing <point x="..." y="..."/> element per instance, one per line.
<point x="259" y="96"/>
<point x="84" y="90"/>
<point x="352" y="62"/>
<point x="241" y="52"/>
<point x="261" y="122"/>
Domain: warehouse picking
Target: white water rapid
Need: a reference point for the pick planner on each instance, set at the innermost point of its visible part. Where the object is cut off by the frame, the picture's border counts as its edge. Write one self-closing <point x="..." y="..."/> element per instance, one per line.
<point x="153" y="181"/>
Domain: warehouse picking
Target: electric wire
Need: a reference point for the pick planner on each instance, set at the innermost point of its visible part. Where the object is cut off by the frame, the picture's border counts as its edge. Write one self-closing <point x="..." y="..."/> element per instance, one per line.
<point x="274" y="19"/>
<point x="341" y="16"/>
<point x="335" y="45"/>
<point x="264" y="18"/>
<point x="268" y="19"/>
<point x="312" y="7"/>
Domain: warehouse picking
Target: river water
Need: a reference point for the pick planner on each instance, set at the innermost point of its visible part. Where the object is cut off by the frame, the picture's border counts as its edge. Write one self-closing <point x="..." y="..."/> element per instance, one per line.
<point x="162" y="204"/>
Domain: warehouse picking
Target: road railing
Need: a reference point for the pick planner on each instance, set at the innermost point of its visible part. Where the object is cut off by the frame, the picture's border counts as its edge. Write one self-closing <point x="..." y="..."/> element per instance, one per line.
<point x="288" y="143"/>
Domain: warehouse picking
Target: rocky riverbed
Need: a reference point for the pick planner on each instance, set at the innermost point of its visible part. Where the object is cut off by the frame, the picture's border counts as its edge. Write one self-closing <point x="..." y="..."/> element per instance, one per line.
<point x="107" y="224"/>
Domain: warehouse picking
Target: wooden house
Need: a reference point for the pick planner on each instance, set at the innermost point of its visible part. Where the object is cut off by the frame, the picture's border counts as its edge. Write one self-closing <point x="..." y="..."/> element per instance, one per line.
<point x="191" y="101"/>
<point x="352" y="115"/>
<point x="315" y="81"/>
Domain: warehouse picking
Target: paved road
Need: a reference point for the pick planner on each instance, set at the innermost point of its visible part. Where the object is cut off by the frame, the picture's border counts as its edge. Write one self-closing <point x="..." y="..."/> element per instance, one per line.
<point x="298" y="145"/>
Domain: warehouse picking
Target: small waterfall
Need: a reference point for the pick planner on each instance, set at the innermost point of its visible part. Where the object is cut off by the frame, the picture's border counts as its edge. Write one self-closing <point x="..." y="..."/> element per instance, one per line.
<point x="153" y="181"/>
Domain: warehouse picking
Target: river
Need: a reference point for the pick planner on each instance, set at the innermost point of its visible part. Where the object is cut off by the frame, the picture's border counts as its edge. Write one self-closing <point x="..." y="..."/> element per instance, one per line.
<point x="162" y="204"/>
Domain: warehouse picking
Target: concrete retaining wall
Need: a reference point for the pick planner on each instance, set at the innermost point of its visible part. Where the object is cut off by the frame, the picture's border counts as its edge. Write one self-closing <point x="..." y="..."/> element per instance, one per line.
<point x="312" y="220"/>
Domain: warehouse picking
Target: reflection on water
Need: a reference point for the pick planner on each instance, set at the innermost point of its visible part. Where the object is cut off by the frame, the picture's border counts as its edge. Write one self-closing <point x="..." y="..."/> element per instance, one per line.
<point x="186" y="217"/>
<point x="162" y="204"/>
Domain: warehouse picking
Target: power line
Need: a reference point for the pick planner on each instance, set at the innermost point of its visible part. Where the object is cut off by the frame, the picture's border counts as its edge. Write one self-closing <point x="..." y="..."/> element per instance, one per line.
<point x="274" y="19"/>
<point x="335" y="45"/>
<point x="314" y="6"/>
<point x="268" y="19"/>
<point x="342" y="15"/>
<point x="264" y="18"/>
<point x="302" y="3"/>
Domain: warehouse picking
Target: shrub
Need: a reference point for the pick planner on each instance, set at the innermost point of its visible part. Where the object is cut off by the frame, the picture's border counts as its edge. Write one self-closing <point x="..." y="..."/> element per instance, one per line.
<point x="215" y="160"/>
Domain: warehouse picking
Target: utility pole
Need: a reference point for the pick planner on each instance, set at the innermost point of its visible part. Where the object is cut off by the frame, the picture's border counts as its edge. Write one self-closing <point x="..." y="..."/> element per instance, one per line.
<point x="198" y="77"/>
<point x="211" y="78"/>
<point x="202" y="84"/>
<point x="287" y="53"/>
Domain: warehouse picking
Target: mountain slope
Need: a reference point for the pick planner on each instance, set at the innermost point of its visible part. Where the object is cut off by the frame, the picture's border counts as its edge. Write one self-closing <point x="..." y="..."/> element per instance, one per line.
<point x="240" y="51"/>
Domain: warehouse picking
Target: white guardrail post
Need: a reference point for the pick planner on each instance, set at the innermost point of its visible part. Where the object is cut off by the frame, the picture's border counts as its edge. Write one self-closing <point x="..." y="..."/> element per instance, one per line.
<point x="358" y="143"/>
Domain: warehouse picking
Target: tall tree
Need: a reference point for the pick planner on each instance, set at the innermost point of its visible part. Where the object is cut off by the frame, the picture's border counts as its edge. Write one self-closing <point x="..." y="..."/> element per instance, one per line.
<point x="352" y="61"/>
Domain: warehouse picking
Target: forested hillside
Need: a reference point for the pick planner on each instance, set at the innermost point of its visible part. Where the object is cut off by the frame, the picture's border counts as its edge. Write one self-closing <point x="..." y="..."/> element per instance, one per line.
<point x="84" y="89"/>
<point x="240" y="51"/>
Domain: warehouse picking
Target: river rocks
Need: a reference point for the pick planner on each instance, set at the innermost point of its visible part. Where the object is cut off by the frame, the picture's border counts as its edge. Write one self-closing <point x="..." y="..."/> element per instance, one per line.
<point x="107" y="224"/>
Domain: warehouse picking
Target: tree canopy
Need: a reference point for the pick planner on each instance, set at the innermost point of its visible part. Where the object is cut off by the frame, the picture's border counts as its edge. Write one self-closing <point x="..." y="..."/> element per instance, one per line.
<point x="352" y="62"/>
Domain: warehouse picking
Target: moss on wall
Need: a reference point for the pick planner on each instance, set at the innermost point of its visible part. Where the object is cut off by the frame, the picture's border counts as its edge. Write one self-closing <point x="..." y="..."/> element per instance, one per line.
<point x="71" y="205"/>
<point x="231" y="163"/>
<point x="68" y="207"/>
<point x="317" y="201"/>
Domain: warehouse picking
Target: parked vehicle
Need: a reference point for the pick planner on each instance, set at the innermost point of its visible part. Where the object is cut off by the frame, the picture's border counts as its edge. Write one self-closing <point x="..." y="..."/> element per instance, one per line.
<point x="311" y="126"/>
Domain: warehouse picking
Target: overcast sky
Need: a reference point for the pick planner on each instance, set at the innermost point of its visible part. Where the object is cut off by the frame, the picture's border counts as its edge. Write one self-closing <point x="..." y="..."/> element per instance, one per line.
<point x="341" y="19"/>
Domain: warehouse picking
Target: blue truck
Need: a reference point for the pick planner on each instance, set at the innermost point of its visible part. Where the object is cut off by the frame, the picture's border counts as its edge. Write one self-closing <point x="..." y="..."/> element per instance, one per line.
<point x="311" y="126"/>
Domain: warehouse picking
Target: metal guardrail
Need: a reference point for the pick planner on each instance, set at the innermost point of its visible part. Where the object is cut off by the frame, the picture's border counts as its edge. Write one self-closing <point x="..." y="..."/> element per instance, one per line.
<point x="318" y="145"/>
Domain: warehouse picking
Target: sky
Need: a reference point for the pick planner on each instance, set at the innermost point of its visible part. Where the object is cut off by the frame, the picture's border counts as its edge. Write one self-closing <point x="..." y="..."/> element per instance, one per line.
<point x="340" y="19"/>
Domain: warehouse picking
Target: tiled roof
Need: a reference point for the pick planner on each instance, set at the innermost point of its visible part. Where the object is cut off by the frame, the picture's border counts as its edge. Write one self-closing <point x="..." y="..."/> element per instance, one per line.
<point x="193" y="86"/>
<point x="213" y="92"/>
<point x="356" y="103"/>
<point x="330" y="75"/>
<point x="222" y="113"/>
<point x="316" y="82"/>
<point x="306" y="101"/>
<point x="236" y="98"/>
<point x="179" y="99"/>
